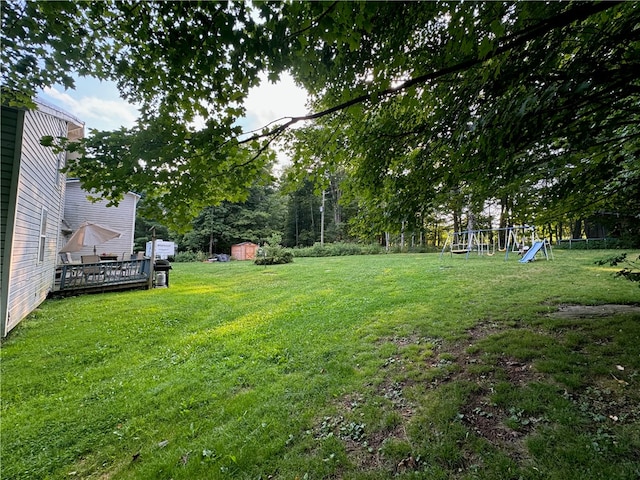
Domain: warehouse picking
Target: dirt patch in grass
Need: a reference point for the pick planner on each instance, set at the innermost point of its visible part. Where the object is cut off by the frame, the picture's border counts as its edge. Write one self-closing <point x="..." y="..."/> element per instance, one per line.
<point x="594" y="311"/>
<point x="367" y="454"/>
<point x="444" y="361"/>
<point x="363" y="444"/>
<point x="483" y="330"/>
<point x="405" y="341"/>
<point x="480" y="414"/>
<point x="487" y="420"/>
<point x="461" y="360"/>
<point x="499" y="419"/>
<point x="517" y="372"/>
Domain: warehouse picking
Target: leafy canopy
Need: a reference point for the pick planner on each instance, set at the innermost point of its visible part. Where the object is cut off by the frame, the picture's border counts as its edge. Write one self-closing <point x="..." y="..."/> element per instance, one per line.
<point x="489" y="100"/>
<point x="416" y="101"/>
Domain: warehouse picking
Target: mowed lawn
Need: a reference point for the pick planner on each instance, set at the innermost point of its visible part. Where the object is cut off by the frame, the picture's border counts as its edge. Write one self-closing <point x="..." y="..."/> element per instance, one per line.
<point x="362" y="367"/>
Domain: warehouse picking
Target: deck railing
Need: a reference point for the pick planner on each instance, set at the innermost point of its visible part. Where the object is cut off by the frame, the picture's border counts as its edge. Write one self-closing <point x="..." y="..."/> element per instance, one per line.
<point x="102" y="274"/>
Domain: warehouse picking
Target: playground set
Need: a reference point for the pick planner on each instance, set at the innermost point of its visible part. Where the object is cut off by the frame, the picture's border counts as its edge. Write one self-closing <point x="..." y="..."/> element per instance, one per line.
<point x="520" y="239"/>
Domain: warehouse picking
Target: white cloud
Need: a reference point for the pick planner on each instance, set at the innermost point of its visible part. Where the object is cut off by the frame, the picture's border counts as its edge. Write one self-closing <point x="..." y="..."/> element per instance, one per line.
<point x="270" y="102"/>
<point x="96" y="112"/>
<point x="98" y="104"/>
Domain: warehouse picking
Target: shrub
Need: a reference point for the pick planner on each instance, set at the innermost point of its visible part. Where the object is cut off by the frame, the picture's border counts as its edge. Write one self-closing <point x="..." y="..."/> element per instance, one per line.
<point x="184" y="257"/>
<point x="590" y="244"/>
<point x="336" y="249"/>
<point x="372" y="249"/>
<point x="277" y="256"/>
<point x="272" y="253"/>
<point x="339" y="249"/>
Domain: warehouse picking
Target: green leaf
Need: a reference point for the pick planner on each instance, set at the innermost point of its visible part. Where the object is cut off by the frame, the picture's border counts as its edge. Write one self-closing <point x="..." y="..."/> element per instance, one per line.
<point x="485" y="48"/>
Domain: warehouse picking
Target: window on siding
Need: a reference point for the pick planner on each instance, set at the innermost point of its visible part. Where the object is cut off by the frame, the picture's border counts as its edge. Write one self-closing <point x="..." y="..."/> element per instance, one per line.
<point x="43" y="234"/>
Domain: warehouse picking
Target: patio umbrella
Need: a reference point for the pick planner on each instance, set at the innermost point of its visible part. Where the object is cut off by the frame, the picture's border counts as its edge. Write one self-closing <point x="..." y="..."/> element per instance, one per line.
<point x="89" y="234"/>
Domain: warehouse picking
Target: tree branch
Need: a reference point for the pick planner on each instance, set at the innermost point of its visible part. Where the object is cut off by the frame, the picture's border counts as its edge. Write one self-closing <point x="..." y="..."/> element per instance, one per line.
<point x="314" y="21"/>
<point x="575" y="14"/>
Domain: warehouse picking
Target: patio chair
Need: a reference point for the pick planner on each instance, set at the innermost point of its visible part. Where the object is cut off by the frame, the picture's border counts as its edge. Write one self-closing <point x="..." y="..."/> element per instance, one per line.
<point x="91" y="268"/>
<point x="65" y="258"/>
<point x="128" y="266"/>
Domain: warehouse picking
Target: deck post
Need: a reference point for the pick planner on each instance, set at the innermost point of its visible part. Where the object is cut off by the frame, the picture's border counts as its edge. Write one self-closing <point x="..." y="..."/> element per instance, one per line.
<point x="153" y="256"/>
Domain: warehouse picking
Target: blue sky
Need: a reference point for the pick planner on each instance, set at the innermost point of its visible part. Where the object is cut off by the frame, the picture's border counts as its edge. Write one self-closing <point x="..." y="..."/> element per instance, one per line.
<point x="99" y="105"/>
<point x="96" y="103"/>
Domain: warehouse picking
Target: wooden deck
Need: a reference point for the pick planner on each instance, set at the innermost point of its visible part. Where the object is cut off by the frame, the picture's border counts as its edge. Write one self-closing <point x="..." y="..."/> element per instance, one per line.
<point x="73" y="279"/>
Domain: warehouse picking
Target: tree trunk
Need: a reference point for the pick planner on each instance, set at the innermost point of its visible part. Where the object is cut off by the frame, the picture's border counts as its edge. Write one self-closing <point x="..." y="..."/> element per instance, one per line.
<point x="436" y="235"/>
<point x="503" y="222"/>
<point x="313" y="223"/>
<point x="456" y="222"/>
<point x="576" y="232"/>
<point x="322" y="219"/>
<point x="337" y="210"/>
<point x="297" y="227"/>
<point x="471" y="221"/>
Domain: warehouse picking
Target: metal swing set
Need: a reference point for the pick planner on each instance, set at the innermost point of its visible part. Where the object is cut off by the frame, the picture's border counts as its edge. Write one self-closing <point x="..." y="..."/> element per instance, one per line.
<point x="520" y="239"/>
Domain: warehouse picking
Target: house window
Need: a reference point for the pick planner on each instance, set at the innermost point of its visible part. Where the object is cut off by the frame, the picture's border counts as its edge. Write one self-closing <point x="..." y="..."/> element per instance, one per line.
<point x="43" y="234"/>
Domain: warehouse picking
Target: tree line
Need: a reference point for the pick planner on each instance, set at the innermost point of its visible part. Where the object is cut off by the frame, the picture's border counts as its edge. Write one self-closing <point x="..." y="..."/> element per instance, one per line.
<point x="293" y="213"/>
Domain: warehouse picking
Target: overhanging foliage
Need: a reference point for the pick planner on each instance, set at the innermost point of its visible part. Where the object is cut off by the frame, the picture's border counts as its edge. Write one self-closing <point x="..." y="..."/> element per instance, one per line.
<point x="415" y="101"/>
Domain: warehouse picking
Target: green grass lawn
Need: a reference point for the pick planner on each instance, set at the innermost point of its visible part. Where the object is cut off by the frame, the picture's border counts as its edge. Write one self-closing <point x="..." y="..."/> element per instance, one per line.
<point x="347" y="367"/>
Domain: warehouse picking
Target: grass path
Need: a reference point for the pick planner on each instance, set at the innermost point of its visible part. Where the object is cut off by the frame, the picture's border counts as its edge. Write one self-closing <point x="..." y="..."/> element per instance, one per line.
<point x="347" y="367"/>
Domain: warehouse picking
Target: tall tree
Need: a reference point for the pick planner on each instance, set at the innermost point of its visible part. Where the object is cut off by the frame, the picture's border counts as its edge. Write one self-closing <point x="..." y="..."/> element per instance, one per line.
<point x="183" y="63"/>
<point x="218" y="227"/>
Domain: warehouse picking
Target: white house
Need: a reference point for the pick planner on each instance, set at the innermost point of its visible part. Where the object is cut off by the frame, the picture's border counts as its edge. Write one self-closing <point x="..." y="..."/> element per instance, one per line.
<point x="32" y="207"/>
<point x="40" y="209"/>
<point x="78" y="208"/>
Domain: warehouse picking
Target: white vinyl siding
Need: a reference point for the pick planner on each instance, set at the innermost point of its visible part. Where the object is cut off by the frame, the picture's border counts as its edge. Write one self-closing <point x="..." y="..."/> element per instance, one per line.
<point x="34" y="242"/>
<point x="79" y="209"/>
